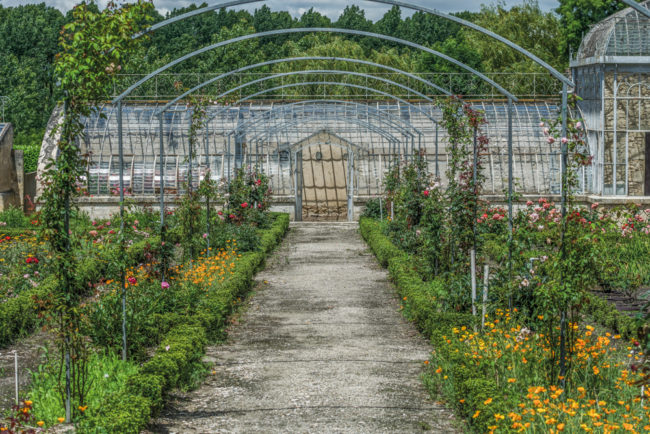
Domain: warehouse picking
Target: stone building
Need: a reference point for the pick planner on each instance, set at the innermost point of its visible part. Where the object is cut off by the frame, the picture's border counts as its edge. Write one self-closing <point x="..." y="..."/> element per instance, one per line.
<point x="612" y="72"/>
<point x="11" y="170"/>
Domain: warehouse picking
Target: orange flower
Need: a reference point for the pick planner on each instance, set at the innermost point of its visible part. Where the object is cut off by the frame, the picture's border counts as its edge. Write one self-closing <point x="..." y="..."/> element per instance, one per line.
<point x="476" y="414"/>
<point x="487" y="401"/>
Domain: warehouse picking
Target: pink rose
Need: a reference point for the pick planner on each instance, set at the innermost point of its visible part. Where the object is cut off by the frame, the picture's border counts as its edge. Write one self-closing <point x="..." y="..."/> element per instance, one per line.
<point x="164" y="285"/>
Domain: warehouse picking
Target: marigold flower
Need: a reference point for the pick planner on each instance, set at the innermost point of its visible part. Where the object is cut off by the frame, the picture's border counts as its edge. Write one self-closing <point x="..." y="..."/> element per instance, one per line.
<point x="487" y="401"/>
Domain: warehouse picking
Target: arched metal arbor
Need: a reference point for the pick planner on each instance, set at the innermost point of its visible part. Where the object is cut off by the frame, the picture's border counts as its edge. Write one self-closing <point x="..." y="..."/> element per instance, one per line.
<point x="511" y="98"/>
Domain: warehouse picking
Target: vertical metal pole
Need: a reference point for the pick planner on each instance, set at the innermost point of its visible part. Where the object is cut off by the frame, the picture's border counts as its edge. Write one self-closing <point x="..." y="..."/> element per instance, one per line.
<point x="228" y="160"/>
<point x="207" y="198"/>
<point x="437" y="164"/>
<point x="510" y="180"/>
<point x="120" y="142"/>
<point x="564" y="148"/>
<point x="601" y="151"/>
<point x="16" y="373"/>
<point x="565" y="91"/>
<point x="162" y="194"/>
<point x="472" y="256"/>
<point x="381" y="209"/>
<point x="351" y="187"/>
<point x="486" y="281"/>
<point x="615" y="144"/>
<point x="66" y="229"/>
<point x="474" y="181"/>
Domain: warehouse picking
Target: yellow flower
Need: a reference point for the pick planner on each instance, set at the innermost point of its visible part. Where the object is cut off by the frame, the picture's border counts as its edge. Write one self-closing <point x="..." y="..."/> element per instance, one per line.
<point x="28" y="403"/>
<point x="476" y="414"/>
<point x="487" y="401"/>
<point x="40" y="423"/>
<point x="498" y="416"/>
<point x="61" y="419"/>
<point x="512" y="380"/>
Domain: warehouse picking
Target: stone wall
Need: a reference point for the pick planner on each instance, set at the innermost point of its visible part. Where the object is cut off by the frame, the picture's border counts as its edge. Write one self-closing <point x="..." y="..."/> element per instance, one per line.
<point x="630" y="117"/>
<point x="11" y="171"/>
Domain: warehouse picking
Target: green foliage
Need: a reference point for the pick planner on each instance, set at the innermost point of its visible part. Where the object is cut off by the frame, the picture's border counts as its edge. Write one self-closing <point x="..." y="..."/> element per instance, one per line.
<point x="526" y="25"/>
<point x="14" y="218"/>
<point x="577" y="17"/>
<point x="107" y="374"/>
<point x="178" y="356"/>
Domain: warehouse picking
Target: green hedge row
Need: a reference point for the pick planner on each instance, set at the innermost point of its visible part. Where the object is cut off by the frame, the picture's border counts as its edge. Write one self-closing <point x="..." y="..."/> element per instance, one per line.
<point x="181" y="350"/>
<point x="605" y="314"/>
<point x="423" y="307"/>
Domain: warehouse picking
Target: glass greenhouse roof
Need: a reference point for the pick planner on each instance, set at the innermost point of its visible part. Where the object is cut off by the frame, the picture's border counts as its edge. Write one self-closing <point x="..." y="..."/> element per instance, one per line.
<point x="625" y="33"/>
<point x="267" y="133"/>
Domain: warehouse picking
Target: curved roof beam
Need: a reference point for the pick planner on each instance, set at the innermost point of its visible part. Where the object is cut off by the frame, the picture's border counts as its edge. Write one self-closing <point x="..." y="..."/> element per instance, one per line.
<point x="238" y="130"/>
<point x="376" y="113"/>
<point x="316" y="30"/>
<point x="368" y="125"/>
<point x="292" y="59"/>
<point x="557" y="74"/>
<point x="636" y="6"/>
<point x="331" y="72"/>
<point x="308" y="83"/>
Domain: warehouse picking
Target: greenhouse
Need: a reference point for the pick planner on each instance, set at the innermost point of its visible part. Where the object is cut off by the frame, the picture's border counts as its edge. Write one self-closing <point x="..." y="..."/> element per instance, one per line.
<point x="611" y="72"/>
<point x="271" y="135"/>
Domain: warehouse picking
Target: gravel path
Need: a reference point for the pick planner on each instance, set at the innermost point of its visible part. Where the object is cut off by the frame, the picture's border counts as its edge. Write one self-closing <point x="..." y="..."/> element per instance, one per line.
<point x="321" y="348"/>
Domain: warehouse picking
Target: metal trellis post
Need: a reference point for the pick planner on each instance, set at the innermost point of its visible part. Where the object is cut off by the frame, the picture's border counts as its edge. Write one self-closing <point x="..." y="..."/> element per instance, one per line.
<point x="120" y="144"/>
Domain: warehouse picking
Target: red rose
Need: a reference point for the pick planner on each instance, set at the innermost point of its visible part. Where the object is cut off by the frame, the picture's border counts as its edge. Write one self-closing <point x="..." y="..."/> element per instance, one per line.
<point x="244" y="205"/>
<point x="220" y="213"/>
<point x="232" y="216"/>
<point x="132" y="280"/>
<point x="426" y="193"/>
<point x="7" y="238"/>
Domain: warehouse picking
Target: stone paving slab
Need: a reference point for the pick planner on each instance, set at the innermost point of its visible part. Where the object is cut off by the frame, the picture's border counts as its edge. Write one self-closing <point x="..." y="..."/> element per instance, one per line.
<point x="321" y="348"/>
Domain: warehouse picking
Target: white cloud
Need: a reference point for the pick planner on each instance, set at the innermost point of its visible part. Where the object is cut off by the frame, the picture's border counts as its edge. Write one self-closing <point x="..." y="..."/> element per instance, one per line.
<point x="331" y="8"/>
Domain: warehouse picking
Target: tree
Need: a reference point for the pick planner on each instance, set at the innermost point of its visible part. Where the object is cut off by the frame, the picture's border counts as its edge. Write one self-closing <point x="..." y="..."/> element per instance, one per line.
<point x="577" y="17"/>
<point x="312" y="18"/>
<point x="524" y="24"/>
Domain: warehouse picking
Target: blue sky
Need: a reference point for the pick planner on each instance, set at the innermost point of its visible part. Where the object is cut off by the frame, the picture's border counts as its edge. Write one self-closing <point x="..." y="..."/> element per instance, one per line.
<point x="331" y="8"/>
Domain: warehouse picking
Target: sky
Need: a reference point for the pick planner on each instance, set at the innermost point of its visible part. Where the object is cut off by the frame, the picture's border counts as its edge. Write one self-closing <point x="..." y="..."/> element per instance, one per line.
<point x="331" y="8"/>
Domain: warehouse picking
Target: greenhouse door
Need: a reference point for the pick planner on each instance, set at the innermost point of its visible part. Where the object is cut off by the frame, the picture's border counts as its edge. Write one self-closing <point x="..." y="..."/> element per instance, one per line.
<point x="322" y="175"/>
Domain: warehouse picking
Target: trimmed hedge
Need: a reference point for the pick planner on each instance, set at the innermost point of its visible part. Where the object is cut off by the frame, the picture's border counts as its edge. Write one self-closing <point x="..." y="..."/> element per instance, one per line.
<point x="605" y="314"/>
<point x="423" y="307"/>
<point x="467" y="387"/>
<point x="180" y="352"/>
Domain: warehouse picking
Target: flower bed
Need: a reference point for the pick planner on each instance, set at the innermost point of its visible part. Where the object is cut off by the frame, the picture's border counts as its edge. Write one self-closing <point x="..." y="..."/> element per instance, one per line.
<point x="179" y="353"/>
<point x="497" y="379"/>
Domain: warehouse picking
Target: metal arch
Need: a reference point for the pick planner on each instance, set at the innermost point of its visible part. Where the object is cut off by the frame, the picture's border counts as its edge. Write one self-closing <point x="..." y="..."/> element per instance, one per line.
<point x="497" y="86"/>
<point x="371" y="127"/>
<point x="309" y="83"/>
<point x="411" y="6"/>
<point x="636" y="6"/>
<point x="377" y="114"/>
<point x="292" y="59"/>
<point x="253" y="122"/>
<point x="391" y="138"/>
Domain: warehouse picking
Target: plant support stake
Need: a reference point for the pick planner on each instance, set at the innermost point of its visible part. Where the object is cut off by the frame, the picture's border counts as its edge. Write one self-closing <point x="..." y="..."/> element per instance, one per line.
<point x="472" y="255"/>
<point x="486" y="282"/>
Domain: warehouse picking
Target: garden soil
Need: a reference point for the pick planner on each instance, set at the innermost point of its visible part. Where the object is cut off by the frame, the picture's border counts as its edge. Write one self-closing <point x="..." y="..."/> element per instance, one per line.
<point x="321" y="347"/>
